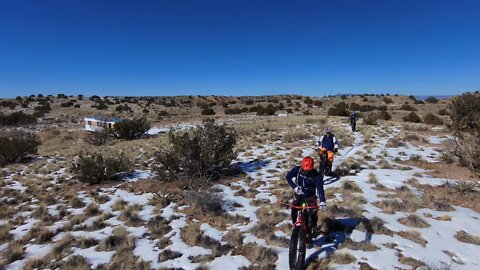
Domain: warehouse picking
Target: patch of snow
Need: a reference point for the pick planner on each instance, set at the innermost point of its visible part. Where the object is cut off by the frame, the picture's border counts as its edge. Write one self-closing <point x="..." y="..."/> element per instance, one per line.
<point x="213" y="233"/>
<point x="233" y="262"/>
<point x="95" y="258"/>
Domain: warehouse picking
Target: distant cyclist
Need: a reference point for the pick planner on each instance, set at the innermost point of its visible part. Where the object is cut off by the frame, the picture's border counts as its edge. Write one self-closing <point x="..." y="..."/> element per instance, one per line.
<point x="328" y="142"/>
<point x="308" y="183"/>
<point x="353" y="121"/>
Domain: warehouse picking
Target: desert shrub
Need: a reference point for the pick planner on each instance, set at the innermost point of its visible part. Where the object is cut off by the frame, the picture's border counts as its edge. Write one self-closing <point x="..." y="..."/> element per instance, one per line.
<point x="432" y="119"/>
<point x="76" y="105"/>
<point x="66" y="104"/>
<point x="163" y="113"/>
<point x="8" y="104"/>
<point x="41" y="110"/>
<point x="343" y="97"/>
<point x="387" y="100"/>
<point x="16" y="146"/>
<point x="249" y="102"/>
<point x="340" y="109"/>
<point x="17" y="118"/>
<point x="412" y="117"/>
<point x="431" y="100"/>
<point x="367" y="108"/>
<point x="308" y="101"/>
<point x="370" y="119"/>
<point x="354" y="106"/>
<point x="123" y="108"/>
<point x="406" y="107"/>
<point x="208" y="111"/>
<point x="269" y="110"/>
<point x="236" y="110"/>
<point x="95" y="168"/>
<point x="131" y="129"/>
<point x="384" y="115"/>
<point x="98" y="138"/>
<point x="208" y="201"/>
<point x="443" y="112"/>
<point x="100" y="105"/>
<point x="464" y="112"/>
<point x="198" y="157"/>
<point x="318" y="103"/>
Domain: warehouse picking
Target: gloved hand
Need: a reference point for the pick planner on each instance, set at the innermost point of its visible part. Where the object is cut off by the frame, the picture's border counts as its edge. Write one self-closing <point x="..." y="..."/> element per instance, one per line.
<point x="322" y="206"/>
<point x="298" y="190"/>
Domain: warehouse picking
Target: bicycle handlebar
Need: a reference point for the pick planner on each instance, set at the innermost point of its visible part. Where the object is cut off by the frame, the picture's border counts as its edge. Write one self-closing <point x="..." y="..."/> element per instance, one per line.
<point x="298" y="207"/>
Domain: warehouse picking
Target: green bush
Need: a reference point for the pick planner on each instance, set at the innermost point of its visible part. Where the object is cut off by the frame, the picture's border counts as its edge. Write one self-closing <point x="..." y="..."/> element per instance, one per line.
<point x="66" y="104"/>
<point x="432" y="119"/>
<point x="465" y="115"/>
<point x="197" y="157"/>
<point x="131" y="129"/>
<point x="208" y="111"/>
<point x="8" y="104"/>
<point x="95" y="168"/>
<point x="412" y="117"/>
<point x="387" y="100"/>
<point x="318" y="103"/>
<point x="340" y="109"/>
<point x="15" y="147"/>
<point x="384" y="115"/>
<point x="433" y="100"/>
<point x="17" y="118"/>
<point x="406" y="107"/>
<point x="308" y="101"/>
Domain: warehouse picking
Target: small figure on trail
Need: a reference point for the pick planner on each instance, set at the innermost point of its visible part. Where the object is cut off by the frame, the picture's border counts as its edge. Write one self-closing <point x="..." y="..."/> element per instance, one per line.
<point x="328" y="144"/>
<point x="308" y="184"/>
<point x="353" y="121"/>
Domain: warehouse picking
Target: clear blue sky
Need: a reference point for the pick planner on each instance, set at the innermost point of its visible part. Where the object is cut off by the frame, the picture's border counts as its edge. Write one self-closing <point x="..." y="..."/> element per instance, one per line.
<point x="239" y="47"/>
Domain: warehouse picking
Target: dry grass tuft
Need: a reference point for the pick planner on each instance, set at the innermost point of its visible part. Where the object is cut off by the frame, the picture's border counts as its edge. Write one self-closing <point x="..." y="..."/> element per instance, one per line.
<point x="465" y="237"/>
<point x="372" y="179"/>
<point x="414" y="236"/>
<point x="414" y="263"/>
<point x="261" y="257"/>
<point x="351" y="186"/>
<point x="5" y="232"/>
<point x="40" y="235"/>
<point x="92" y="210"/>
<point x="414" y="221"/>
<point x="75" y="262"/>
<point x="158" y="226"/>
<point x="168" y="255"/>
<point x="130" y="215"/>
<point x="14" y="252"/>
<point x="364" y="246"/>
<point x="333" y="258"/>
<point x="120" y="240"/>
<point x="374" y="225"/>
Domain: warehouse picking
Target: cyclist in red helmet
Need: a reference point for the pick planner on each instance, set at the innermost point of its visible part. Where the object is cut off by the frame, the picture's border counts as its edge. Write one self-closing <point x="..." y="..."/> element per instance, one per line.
<point x="308" y="184"/>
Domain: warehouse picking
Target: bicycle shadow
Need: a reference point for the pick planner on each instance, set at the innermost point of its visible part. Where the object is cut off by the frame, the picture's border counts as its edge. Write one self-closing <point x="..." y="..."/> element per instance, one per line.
<point x="331" y="179"/>
<point x="338" y="231"/>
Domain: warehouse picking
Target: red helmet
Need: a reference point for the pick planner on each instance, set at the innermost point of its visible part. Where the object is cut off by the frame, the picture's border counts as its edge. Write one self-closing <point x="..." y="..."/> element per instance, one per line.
<point x="307" y="164"/>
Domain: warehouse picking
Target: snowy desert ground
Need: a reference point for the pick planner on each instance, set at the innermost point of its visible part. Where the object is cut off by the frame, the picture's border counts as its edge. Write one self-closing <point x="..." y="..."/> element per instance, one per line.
<point x="390" y="206"/>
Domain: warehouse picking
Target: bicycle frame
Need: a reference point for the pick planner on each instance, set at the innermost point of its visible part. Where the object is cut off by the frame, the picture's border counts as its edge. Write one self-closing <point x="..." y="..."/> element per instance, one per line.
<point x="302" y="211"/>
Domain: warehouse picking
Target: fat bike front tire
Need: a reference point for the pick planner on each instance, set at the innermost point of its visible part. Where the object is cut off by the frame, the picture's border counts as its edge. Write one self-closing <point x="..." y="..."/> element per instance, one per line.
<point x="297" y="249"/>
